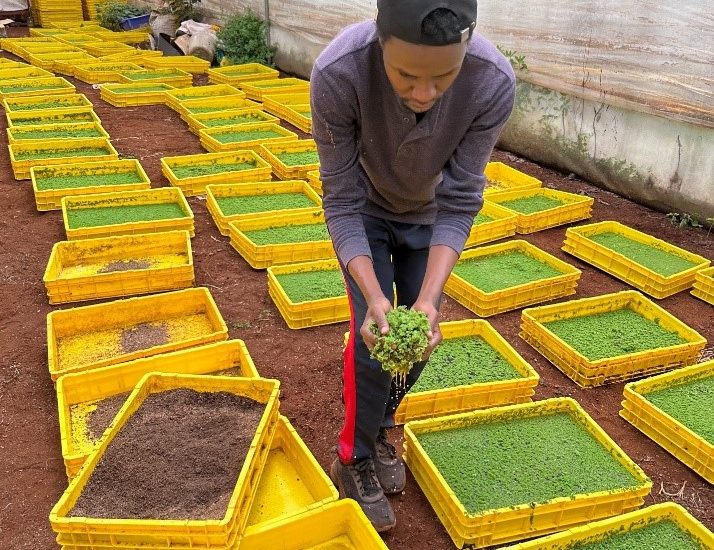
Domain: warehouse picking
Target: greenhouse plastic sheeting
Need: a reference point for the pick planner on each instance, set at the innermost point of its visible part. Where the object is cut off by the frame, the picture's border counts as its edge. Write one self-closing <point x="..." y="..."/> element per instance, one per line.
<point x="13" y="5"/>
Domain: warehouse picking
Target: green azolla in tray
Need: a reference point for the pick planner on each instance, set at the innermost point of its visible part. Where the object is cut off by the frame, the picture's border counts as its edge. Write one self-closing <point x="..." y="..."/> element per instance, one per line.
<point x="150" y="75"/>
<point x="46" y="105"/>
<point x="482" y="218"/>
<point x="86" y="152"/>
<point x="113" y="215"/>
<point x="313" y="285"/>
<point x="88" y="180"/>
<point x="277" y="83"/>
<point x="613" y="333"/>
<point x="462" y="361"/>
<point x="60" y="134"/>
<point x="7" y="88"/>
<point x="306" y="114"/>
<point x="664" y="534"/>
<point x="523" y="461"/>
<point x="235" y="137"/>
<point x="691" y="403"/>
<point x="233" y="121"/>
<point x="657" y="259"/>
<point x="299" y="159"/>
<point x="503" y="270"/>
<point x="262" y="203"/>
<point x="137" y="90"/>
<point x="59" y="119"/>
<point x="531" y="205"/>
<point x="289" y="234"/>
<point x="196" y="170"/>
<point x="211" y="109"/>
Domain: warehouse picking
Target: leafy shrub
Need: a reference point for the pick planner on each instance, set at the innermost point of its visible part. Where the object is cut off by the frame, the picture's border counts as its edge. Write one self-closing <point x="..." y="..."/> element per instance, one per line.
<point x="112" y="12"/>
<point x="244" y="39"/>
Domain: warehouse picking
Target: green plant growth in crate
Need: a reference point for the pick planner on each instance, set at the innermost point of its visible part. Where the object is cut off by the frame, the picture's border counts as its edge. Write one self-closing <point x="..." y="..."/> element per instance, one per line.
<point x="209" y="168"/>
<point x="88" y="180"/>
<point x="112" y="215"/>
<point x="235" y="120"/>
<point x="531" y="205"/>
<point x="307" y="286"/>
<point x="138" y="90"/>
<point x="153" y="75"/>
<point x="529" y="459"/>
<point x="691" y="403"/>
<point x="51" y="154"/>
<point x="60" y="118"/>
<point x="289" y="234"/>
<point x="504" y="270"/>
<point x="613" y="333"/>
<point x="658" y="260"/>
<point x="298" y="158"/>
<point x="462" y="361"/>
<point x="55" y="132"/>
<point x="655" y="534"/>
<point x="239" y="136"/>
<point x="250" y="204"/>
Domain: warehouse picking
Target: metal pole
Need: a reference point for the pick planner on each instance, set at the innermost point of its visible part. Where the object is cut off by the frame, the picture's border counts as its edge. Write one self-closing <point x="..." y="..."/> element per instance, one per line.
<point x="267" y="20"/>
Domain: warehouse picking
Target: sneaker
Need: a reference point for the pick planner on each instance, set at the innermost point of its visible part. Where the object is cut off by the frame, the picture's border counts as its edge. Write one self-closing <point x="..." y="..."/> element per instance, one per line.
<point x="359" y="482"/>
<point x="388" y="466"/>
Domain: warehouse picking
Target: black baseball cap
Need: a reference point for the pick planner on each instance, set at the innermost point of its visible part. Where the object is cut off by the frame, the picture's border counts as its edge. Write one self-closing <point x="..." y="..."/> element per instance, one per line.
<point x="403" y="19"/>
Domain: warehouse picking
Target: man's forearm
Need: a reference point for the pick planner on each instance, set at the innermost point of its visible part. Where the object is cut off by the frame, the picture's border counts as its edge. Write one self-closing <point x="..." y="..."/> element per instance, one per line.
<point x="362" y="271"/>
<point x="440" y="263"/>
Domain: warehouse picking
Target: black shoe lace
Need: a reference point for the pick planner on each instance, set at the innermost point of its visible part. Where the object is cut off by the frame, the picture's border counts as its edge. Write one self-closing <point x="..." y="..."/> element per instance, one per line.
<point x="366" y="478"/>
<point x="384" y="448"/>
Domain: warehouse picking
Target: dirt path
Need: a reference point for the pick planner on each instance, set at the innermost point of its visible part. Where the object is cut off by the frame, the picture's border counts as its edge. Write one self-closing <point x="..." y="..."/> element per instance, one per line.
<point x="308" y="362"/>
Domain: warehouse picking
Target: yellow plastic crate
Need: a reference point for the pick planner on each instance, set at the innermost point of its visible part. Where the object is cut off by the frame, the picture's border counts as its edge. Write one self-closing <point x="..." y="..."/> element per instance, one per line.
<point x="292" y="483"/>
<point x="87" y="387"/>
<point x="175" y="97"/>
<point x="52" y="104"/>
<point x="665" y="430"/>
<point x="248" y="189"/>
<point x="587" y="373"/>
<point x="502" y="224"/>
<point x="311" y="313"/>
<point x="604" y="529"/>
<point x="704" y="285"/>
<point x="207" y="534"/>
<point x="137" y="36"/>
<point x="298" y="117"/>
<point x="48" y="117"/>
<point x="48" y="61"/>
<point x="163" y="195"/>
<point x="246" y="72"/>
<point x="465" y="398"/>
<point x="291" y="108"/>
<point x="101" y="326"/>
<point x="201" y="105"/>
<point x="174" y="77"/>
<point x="210" y="138"/>
<point x="135" y="56"/>
<point x="313" y="178"/>
<point x="140" y="93"/>
<point x="57" y="151"/>
<point x="256" y="88"/>
<point x="187" y="63"/>
<point x="75" y="38"/>
<point x="105" y="47"/>
<point x="527" y="520"/>
<point x="501" y="177"/>
<point x="112" y="267"/>
<point x="271" y="152"/>
<point x="485" y="304"/>
<point x="104" y="72"/>
<point x="221" y="119"/>
<point x="578" y="243"/>
<point x="54" y="132"/>
<point x="337" y="525"/>
<point x="574" y="208"/>
<point x="196" y="185"/>
<point x="49" y="198"/>
<point x="35" y="86"/>
<point x="17" y="73"/>
<point x="7" y="64"/>
<point x="263" y="256"/>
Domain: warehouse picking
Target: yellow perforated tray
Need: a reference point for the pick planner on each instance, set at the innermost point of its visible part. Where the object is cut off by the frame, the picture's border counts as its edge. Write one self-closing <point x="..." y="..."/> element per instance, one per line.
<point x="501" y="177"/>
<point x="175" y="97"/>
<point x="272" y="151"/>
<point x="57" y="151"/>
<point x="211" y="138"/>
<point x="704" y="285"/>
<point x="502" y="224"/>
<point x="255" y="89"/>
<point x="231" y="117"/>
<point x="246" y="72"/>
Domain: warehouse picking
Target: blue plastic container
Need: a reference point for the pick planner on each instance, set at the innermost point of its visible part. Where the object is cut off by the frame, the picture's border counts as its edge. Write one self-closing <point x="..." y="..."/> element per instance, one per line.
<point x="135" y="22"/>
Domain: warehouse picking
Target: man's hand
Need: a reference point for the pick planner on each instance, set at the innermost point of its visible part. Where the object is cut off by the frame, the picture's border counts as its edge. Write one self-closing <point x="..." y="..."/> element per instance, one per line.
<point x="377" y="314"/>
<point x="434" y="333"/>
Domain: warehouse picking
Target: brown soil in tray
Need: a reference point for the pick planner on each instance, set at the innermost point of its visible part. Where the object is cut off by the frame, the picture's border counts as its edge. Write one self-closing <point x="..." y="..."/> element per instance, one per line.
<point x="143" y="336"/>
<point x="125" y="265"/>
<point x="177" y="457"/>
<point x="99" y="419"/>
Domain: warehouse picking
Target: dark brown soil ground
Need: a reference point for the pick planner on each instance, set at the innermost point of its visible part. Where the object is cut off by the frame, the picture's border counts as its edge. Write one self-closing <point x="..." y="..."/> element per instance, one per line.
<point x="174" y="458"/>
<point x="308" y="361"/>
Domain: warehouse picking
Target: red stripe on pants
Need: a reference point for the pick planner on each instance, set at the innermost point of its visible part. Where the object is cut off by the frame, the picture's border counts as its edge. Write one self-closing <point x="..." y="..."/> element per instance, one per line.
<point x="346" y="442"/>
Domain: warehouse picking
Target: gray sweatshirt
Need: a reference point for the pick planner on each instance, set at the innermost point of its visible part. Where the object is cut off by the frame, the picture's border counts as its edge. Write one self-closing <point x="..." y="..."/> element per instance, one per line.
<point x="375" y="158"/>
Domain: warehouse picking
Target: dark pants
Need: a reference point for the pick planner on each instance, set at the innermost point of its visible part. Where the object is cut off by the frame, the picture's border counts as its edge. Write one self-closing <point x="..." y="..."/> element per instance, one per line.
<point x="399" y="252"/>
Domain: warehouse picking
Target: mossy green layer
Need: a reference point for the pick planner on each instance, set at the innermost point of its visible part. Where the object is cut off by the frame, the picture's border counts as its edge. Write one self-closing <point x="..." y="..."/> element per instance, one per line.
<point x="231" y="206"/>
<point x="92" y="180"/>
<point x="277" y="83"/>
<point x="523" y="461"/>
<point x="47" y="105"/>
<point x="232" y="121"/>
<point x="654" y="258"/>
<point x="691" y="403"/>
<point x="60" y="134"/>
<point x="196" y="170"/>
<point x="8" y="88"/>
<point x="299" y="159"/>
<point x="202" y="110"/>
<point x="504" y="270"/>
<point x="482" y="218"/>
<point x="664" y="535"/>
<point x="137" y="90"/>
<point x="462" y="361"/>
<point x="306" y="114"/>
<point x="36" y="155"/>
<point x="113" y="215"/>
<point x="289" y="234"/>
<point x="237" y="137"/>
<point x="151" y="74"/>
<point x="63" y="119"/>
<point x="612" y="334"/>
<point x="531" y="205"/>
<point x="313" y="285"/>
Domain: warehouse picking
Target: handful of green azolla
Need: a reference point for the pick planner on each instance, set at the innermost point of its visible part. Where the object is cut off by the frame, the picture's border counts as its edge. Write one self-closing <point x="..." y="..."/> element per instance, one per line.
<point x="404" y="344"/>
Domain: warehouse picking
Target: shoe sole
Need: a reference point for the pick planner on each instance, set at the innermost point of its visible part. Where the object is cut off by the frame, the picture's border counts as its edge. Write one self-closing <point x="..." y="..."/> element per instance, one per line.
<point x="341" y="493"/>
